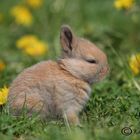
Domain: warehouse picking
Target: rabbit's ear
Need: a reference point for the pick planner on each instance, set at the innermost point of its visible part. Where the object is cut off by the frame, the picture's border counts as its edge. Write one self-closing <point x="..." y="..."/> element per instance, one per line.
<point x="67" y="38"/>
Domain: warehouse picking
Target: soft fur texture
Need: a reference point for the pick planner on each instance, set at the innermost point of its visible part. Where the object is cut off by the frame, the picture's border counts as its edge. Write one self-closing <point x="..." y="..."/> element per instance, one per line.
<point x="61" y="88"/>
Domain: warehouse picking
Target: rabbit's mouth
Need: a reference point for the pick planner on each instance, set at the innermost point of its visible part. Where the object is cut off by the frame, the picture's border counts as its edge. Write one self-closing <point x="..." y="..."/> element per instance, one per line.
<point x="103" y="72"/>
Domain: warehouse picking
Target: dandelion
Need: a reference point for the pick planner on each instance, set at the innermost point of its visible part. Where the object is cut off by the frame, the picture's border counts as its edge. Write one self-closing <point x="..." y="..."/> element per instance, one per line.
<point x="22" y="15"/>
<point x="34" y="3"/>
<point x="123" y="4"/>
<point x="31" y="45"/>
<point x="2" y="65"/>
<point x="3" y="95"/>
<point x="26" y="41"/>
<point x="134" y="63"/>
<point x="36" y="50"/>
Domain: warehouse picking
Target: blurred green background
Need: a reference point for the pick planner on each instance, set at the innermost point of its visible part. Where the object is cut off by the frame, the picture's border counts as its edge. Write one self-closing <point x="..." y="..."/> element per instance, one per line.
<point x="115" y="102"/>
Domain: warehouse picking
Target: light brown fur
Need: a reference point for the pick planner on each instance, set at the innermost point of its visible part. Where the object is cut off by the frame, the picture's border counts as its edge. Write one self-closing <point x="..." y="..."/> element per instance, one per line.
<point x="62" y="87"/>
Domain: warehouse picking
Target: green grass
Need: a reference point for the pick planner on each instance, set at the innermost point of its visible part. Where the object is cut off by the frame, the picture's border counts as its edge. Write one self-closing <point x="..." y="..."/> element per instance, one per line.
<point x="115" y="102"/>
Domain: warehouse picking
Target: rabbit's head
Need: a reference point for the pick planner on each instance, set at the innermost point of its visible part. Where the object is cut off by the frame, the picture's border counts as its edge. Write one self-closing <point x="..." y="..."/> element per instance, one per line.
<point x="81" y="57"/>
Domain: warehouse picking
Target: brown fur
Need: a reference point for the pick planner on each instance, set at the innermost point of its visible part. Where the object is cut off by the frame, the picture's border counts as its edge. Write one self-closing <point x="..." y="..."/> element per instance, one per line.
<point x="62" y="87"/>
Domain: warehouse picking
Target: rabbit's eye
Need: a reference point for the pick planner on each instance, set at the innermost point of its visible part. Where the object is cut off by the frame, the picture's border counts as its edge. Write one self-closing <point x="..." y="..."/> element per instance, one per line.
<point x="92" y="61"/>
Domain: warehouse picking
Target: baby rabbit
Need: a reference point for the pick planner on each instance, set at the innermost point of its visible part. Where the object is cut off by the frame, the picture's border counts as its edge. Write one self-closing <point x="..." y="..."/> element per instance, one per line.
<point x="60" y="88"/>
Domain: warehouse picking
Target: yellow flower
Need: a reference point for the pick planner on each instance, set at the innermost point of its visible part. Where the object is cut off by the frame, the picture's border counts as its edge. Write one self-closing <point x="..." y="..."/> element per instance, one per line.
<point x="2" y="65"/>
<point x="34" y="3"/>
<point x="1" y="17"/>
<point x="31" y="45"/>
<point x="26" y="41"/>
<point x="3" y="95"/>
<point x="123" y="4"/>
<point x="38" y="49"/>
<point x="134" y="63"/>
<point x="22" y="15"/>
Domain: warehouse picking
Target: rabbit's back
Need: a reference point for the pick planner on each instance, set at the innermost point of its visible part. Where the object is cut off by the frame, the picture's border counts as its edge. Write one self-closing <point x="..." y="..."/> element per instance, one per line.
<point x="33" y="76"/>
<point x="33" y="86"/>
